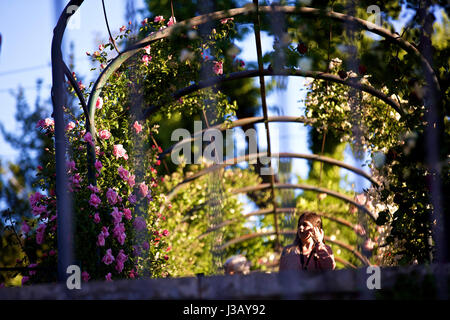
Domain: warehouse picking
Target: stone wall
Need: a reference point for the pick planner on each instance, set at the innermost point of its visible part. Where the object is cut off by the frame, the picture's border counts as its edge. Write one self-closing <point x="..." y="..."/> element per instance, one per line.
<point x="421" y="282"/>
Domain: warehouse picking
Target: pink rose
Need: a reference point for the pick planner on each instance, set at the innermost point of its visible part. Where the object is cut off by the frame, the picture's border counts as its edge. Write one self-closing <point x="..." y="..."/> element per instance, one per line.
<point x="127" y="213"/>
<point x="117" y="215"/>
<point x="147" y="49"/>
<point x="218" y="67"/>
<point x="111" y="195"/>
<point x="139" y="223"/>
<point x="99" y="103"/>
<point x="38" y="210"/>
<point x="137" y="127"/>
<point x="120" y="152"/>
<point x="224" y="21"/>
<point x="96" y="217"/>
<point x="93" y="188"/>
<point x="144" y="22"/>
<point x="122" y="28"/>
<point x="101" y="239"/>
<point x="85" y="276"/>
<point x="94" y="200"/>
<point x="105" y="231"/>
<point x="165" y="233"/>
<point x="108" y="277"/>
<point x="143" y="189"/>
<point x="158" y="19"/>
<point x="146" y="59"/>
<point x="101" y="47"/>
<point x="131" y="181"/>
<point x="34" y="198"/>
<point x="172" y="21"/>
<point x="88" y="138"/>
<point x="119" y="266"/>
<point x="70" y="126"/>
<point x="119" y="233"/>
<point x="71" y="166"/>
<point x="123" y="173"/>
<point x="108" y="258"/>
<point x="104" y="134"/>
<point x="98" y="165"/>
<point x="121" y="257"/>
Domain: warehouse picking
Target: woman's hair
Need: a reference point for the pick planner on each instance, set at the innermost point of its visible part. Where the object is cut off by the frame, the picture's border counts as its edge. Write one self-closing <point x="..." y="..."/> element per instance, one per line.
<point x="312" y="217"/>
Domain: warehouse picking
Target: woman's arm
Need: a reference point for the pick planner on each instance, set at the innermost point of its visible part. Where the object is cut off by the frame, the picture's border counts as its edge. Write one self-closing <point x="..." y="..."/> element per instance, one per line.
<point x="326" y="258"/>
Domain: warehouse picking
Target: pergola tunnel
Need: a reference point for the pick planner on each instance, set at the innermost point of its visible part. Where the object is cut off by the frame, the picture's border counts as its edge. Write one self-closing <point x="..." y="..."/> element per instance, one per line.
<point x="165" y="197"/>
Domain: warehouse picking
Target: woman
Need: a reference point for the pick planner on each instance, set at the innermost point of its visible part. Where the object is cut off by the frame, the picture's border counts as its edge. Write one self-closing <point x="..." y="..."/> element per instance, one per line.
<point x="308" y="251"/>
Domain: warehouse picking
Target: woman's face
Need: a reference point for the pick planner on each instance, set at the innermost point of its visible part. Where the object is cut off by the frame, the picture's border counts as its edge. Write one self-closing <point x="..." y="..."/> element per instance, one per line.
<point x="305" y="230"/>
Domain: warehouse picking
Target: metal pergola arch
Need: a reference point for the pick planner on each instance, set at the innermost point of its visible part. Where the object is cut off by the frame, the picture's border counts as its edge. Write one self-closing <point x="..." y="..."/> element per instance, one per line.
<point x="59" y="70"/>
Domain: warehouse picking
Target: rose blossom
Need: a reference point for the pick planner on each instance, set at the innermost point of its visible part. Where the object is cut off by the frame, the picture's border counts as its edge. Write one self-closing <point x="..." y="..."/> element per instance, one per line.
<point x="137" y="127"/>
<point x="70" y="126"/>
<point x="108" y="277"/>
<point x="122" y="28"/>
<point x="104" y="134"/>
<point x="158" y="19"/>
<point x="119" y="233"/>
<point x="101" y="239"/>
<point x="218" y="67"/>
<point x="105" y="231"/>
<point x="131" y="181"/>
<point x="123" y="173"/>
<point x="165" y="232"/>
<point x="108" y="258"/>
<point x="120" y="152"/>
<point x="93" y="188"/>
<point x="94" y="200"/>
<point x="88" y="138"/>
<point x="143" y="189"/>
<point x="127" y="213"/>
<point x="111" y="195"/>
<point x="38" y="210"/>
<point x="98" y="165"/>
<point x="172" y="21"/>
<point x="146" y="59"/>
<point x="117" y="215"/>
<point x="147" y="49"/>
<point x="99" y="103"/>
<point x="34" y="198"/>
<point x="96" y="217"/>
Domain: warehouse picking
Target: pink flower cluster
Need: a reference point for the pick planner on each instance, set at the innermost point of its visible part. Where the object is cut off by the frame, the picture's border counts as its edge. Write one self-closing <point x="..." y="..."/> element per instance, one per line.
<point x="104" y="134"/>
<point x="218" y="67"/>
<point x="46" y="123"/>
<point x="120" y="152"/>
<point x="102" y="236"/>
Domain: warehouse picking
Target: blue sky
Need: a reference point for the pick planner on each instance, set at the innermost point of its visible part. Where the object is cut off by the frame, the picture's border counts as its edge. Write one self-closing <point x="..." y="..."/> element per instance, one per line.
<point x="26" y="27"/>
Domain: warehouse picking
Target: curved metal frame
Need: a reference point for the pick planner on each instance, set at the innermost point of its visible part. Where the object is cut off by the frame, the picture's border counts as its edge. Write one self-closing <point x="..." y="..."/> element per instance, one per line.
<point x="253" y="156"/>
<point x="246" y="237"/>
<point x="264" y="212"/>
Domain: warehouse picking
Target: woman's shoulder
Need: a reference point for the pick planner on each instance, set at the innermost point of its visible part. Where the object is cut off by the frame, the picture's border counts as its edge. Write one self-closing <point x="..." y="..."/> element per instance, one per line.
<point x="290" y="249"/>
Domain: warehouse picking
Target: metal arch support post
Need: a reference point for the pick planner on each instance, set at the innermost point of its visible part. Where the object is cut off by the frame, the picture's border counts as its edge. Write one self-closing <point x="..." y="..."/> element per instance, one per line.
<point x="262" y="87"/>
<point x="63" y="200"/>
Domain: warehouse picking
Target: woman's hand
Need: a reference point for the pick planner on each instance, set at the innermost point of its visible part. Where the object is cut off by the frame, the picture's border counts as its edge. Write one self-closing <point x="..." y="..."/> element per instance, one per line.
<point x="317" y="235"/>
